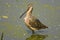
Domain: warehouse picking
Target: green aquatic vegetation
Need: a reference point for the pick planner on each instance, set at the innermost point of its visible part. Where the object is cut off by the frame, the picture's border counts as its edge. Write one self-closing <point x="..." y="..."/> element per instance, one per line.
<point x="37" y="37"/>
<point x="2" y="36"/>
<point x="12" y="30"/>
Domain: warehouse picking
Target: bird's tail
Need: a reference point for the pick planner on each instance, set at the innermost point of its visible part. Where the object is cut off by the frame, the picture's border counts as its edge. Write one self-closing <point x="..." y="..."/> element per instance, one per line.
<point x="44" y="27"/>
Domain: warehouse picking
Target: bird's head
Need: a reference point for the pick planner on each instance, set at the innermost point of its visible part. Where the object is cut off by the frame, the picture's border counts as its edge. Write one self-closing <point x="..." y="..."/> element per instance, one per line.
<point x="29" y="9"/>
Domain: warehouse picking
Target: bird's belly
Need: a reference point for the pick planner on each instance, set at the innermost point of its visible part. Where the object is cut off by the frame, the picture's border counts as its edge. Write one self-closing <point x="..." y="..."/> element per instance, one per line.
<point x="28" y="25"/>
<point x="26" y="21"/>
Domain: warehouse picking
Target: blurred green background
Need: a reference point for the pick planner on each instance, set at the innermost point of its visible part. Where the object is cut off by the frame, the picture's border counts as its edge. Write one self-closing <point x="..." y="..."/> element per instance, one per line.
<point x="47" y="11"/>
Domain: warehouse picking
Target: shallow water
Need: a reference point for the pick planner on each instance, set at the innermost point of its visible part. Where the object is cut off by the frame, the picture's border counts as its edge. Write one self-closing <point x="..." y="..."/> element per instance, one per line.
<point x="13" y="28"/>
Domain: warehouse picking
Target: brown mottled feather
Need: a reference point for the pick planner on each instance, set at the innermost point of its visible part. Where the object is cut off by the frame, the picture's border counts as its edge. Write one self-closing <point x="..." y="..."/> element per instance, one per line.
<point x="32" y="22"/>
<point x="35" y="23"/>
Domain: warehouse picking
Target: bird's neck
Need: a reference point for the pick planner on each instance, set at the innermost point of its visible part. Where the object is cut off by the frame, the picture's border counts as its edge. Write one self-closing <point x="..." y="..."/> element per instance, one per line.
<point x="29" y="11"/>
<point x="28" y="14"/>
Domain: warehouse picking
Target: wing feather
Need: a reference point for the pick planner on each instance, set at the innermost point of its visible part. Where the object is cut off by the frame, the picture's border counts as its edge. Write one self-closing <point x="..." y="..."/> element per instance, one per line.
<point x="36" y="24"/>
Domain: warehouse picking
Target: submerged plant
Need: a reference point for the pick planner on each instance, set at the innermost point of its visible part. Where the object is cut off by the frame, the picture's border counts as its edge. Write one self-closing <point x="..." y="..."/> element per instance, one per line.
<point x="2" y="36"/>
<point x="37" y="37"/>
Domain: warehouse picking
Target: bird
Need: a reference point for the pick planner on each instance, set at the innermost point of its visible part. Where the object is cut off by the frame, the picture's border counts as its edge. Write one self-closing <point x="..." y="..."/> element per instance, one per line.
<point x="31" y="21"/>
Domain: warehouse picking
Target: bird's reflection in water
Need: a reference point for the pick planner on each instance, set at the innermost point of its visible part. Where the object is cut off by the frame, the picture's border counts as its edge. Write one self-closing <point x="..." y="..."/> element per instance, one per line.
<point x="37" y="37"/>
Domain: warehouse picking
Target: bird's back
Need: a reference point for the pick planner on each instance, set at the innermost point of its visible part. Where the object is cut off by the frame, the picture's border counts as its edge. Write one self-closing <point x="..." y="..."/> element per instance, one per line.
<point x="34" y="23"/>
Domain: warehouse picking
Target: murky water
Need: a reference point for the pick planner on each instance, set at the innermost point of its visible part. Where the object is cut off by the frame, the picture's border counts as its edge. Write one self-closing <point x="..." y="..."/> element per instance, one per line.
<point x="13" y="28"/>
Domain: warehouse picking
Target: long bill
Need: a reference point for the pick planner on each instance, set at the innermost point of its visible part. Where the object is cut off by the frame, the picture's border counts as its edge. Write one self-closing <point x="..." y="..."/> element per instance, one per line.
<point x="27" y="11"/>
<point x="22" y="14"/>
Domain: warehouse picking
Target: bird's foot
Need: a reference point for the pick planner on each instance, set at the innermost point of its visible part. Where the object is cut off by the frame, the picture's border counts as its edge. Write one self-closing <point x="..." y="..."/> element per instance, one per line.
<point x="33" y="32"/>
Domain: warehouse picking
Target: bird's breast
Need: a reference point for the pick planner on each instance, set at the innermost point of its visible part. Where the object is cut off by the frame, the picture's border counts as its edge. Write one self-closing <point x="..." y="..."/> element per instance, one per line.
<point x="26" y="20"/>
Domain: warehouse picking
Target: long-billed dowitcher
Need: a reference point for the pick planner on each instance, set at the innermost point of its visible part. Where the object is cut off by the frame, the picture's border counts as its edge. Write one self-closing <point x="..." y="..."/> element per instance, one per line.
<point x="32" y="22"/>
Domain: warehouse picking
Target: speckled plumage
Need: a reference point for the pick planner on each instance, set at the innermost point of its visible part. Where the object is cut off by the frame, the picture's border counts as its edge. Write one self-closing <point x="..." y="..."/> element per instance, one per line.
<point x="32" y="22"/>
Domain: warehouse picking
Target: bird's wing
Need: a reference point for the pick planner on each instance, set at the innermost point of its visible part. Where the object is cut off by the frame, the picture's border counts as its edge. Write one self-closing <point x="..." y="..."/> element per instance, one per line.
<point x="36" y="24"/>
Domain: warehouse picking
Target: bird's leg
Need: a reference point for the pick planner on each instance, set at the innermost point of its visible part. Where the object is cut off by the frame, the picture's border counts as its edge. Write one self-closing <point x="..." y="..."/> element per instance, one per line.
<point x="33" y="32"/>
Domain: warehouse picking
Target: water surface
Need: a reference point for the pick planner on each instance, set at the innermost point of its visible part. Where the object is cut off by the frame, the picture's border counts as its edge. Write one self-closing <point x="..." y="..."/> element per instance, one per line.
<point x="47" y="11"/>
